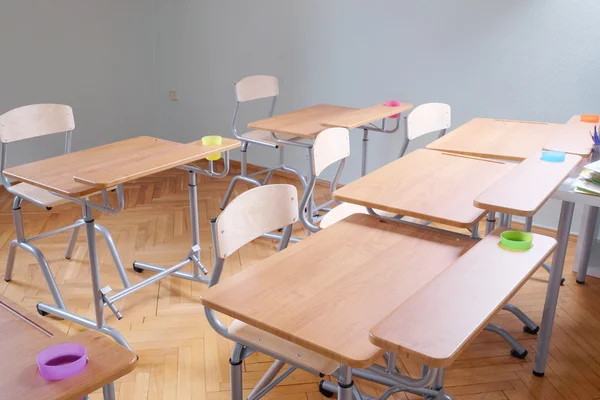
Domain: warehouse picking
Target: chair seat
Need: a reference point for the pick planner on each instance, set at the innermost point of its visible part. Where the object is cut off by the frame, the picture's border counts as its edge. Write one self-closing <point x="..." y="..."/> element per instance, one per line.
<point x="344" y="210"/>
<point x="265" y="341"/>
<point x="265" y="137"/>
<point x="43" y="196"/>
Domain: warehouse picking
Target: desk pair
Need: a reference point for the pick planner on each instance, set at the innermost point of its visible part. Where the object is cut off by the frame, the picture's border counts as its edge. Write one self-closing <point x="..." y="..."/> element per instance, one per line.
<point x="307" y="123"/>
<point x="366" y="285"/>
<point x="77" y="176"/>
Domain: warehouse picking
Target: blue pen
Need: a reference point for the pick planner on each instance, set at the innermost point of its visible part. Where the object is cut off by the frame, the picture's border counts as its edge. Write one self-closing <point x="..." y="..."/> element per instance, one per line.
<point x="596" y="137"/>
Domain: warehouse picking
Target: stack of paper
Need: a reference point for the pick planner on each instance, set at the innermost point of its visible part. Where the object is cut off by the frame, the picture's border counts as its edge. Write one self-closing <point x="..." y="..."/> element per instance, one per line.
<point x="588" y="181"/>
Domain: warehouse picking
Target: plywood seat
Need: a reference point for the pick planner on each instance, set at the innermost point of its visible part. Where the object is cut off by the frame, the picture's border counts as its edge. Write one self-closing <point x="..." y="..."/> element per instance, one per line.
<point x="43" y="196"/>
<point x="266" y="137"/>
<point x="266" y="341"/>
<point x="345" y="210"/>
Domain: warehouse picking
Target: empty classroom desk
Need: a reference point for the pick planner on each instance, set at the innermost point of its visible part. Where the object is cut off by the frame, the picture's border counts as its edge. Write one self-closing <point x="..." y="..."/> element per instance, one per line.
<point x="76" y="175"/>
<point x="430" y="185"/>
<point x="318" y="293"/>
<point x="308" y="122"/>
<point x="513" y="140"/>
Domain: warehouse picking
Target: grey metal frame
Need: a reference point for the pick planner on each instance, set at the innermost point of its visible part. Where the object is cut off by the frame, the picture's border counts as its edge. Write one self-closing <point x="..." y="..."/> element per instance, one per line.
<point x="558" y="262"/>
<point x="246" y="142"/>
<point x="101" y="294"/>
<point x="429" y="385"/>
<point x="585" y="241"/>
<point x="23" y="242"/>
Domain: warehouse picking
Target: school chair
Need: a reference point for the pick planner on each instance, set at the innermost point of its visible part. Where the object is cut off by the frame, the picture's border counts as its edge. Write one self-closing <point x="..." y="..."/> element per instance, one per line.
<point x="330" y="146"/>
<point x="29" y="122"/>
<point x="249" y="216"/>
<point x="252" y="88"/>
<point x="424" y="119"/>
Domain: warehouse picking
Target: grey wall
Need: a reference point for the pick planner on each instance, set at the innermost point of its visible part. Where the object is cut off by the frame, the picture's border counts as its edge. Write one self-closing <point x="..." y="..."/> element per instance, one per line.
<point x="529" y="60"/>
<point x="96" y="56"/>
<point x="116" y="60"/>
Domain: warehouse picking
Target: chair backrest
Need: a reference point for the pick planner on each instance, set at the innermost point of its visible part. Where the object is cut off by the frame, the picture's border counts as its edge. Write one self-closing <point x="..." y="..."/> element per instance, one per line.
<point x="331" y="145"/>
<point x="256" y="87"/>
<point x="254" y="213"/>
<point x="427" y="118"/>
<point x="35" y="120"/>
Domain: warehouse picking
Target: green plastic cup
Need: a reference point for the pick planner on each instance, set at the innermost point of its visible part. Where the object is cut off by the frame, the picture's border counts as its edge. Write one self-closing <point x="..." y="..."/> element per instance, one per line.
<point x="516" y="240"/>
<point x="212" y="140"/>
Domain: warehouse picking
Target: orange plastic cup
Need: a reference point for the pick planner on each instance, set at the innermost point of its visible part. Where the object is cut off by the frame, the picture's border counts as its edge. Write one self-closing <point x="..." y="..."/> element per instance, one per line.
<point x="592" y="118"/>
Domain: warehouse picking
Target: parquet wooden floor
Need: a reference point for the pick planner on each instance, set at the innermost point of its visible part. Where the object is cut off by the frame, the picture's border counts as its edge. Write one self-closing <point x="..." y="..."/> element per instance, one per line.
<point x="181" y="358"/>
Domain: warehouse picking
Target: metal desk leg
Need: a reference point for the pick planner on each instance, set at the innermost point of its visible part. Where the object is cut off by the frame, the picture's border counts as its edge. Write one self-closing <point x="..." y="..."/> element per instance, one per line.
<point x="558" y="262"/>
<point x="90" y="231"/>
<point x="345" y="383"/>
<point x="585" y="241"/>
<point x="490" y="223"/>
<point x="108" y="392"/>
<point x="365" y="143"/>
<point x="528" y="224"/>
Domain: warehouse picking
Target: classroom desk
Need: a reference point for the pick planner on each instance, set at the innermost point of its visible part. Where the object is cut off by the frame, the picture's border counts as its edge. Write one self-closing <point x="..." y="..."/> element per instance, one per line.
<point x="319" y="293"/>
<point x="514" y="140"/>
<point x="307" y="123"/>
<point x="75" y="175"/>
<point x="25" y="335"/>
<point x="522" y="192"/>
<point x="430" y="185"/>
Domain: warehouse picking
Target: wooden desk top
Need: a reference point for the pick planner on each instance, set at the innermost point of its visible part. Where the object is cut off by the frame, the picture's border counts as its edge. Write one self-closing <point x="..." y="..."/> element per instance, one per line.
<point x="435" y="324"/>
<point x="304" y="123"/>
<point x="25" y="335"/>
<point x="359" y="117"/>
<point x="84" y="172"/>
<point x="327" y="291"/>
<point x="514" y="140"/>
<point x="574" y="138"/>
<point x="427" y="184"/>
<point x="527" y="187"/>
<point x="500" y="139"/>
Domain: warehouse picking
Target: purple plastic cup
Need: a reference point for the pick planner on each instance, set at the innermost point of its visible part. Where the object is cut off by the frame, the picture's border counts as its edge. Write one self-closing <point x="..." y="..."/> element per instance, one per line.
<point x="62" y="361"/>
<point x="392" y="103"/>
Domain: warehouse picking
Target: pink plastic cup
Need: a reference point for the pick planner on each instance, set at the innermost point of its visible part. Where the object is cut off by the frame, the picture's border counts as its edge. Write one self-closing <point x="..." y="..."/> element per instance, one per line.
<point x="392" y="103"/>
<point x="62" y="361"/>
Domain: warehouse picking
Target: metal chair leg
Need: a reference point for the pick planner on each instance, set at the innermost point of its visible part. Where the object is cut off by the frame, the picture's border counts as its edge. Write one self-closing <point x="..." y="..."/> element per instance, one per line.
<point x="114" y="253"/>
<point x="229" y="191"/>
<point x="47" y="273"/>
<point x="10" y="262"/>
<point x="235" y="373"/>
<point x="72" y="241"/>
<point x="518" y="351"/>
<point x="530" y="327"/>
<point x="268" y="177"/>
